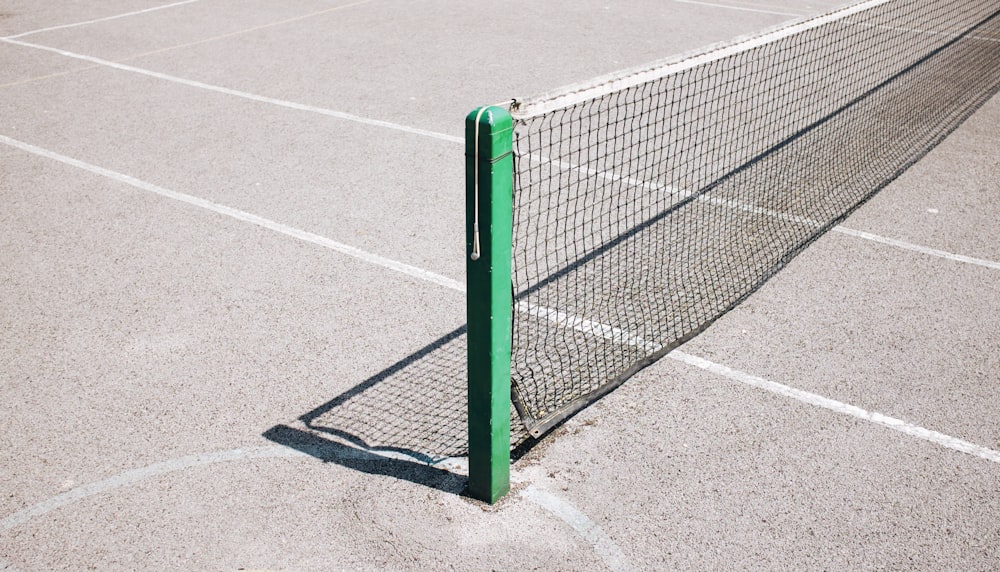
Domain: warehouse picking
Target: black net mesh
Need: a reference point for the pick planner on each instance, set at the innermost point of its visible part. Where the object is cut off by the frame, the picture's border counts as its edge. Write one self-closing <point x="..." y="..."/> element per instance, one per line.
<point x="645" y="213"/>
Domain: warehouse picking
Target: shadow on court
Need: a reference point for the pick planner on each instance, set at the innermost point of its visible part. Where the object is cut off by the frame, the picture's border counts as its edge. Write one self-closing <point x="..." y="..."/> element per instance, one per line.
<point x="685" y="262"/>
<point x="415" y="408"/>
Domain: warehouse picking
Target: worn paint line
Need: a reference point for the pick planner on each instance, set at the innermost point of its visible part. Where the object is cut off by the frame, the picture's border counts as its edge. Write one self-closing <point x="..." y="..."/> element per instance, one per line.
<point x="105" y="19"/>
<point x="606" y="548"/>
<point x="136" y="475"/>
<point x="247" y="30"/>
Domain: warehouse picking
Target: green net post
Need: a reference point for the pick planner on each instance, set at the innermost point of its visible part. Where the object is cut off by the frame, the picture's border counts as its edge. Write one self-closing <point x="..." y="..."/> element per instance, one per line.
<point x="488" y="237"/>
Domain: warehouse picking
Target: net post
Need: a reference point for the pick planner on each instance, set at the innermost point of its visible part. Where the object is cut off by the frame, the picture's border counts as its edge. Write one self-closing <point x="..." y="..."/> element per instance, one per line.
<point x="488" y="238"/>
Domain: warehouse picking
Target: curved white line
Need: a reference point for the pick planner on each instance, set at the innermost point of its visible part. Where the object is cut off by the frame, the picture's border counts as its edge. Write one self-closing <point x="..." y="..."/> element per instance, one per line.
<point x="609" y="552"/>
<point x="135" y="475"/>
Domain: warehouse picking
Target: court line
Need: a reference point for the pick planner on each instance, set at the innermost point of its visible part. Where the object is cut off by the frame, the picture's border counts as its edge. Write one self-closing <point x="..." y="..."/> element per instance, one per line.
<point x="816" y="400"/>
<point x="48" y="76"/>
<point x="602" y="544"/>
<point x="316" y="239"/>
<point x="851" y="232"/>
<point x="105" y="19"/>
<point x="742" y="8"/>
<point x="613" y="334"/>
<point x="917" y="248"/>
<point x="135" y="475"/>
<point x="247" y="30"/>
<point x="583" y="325"/>
<point x="432" y="134"/>
<point x="610" y="175"/>
<point x="187" y="45"/>
<point x="243" y="94"/>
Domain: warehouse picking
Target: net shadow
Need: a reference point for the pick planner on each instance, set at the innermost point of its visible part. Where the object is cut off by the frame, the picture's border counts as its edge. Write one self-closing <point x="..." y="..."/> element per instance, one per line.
<point x="414" y="411"/>
<point x="644" y="215"/>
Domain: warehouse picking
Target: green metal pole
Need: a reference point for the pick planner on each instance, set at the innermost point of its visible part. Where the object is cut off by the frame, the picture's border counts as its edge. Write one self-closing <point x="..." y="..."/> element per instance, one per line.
<point x="489" y="215"/>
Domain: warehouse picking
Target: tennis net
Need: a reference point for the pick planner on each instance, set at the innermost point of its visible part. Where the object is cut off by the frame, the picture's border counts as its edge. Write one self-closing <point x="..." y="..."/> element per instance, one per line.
<point x="649" y="203"/>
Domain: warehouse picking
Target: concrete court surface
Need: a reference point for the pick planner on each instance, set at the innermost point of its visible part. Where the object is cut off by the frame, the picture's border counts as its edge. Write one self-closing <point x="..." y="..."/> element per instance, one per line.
<point x="182" y="185"/>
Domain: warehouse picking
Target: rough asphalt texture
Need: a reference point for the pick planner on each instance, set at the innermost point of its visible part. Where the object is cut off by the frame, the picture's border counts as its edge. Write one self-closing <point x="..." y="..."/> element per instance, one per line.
<point x="150" y="347"/>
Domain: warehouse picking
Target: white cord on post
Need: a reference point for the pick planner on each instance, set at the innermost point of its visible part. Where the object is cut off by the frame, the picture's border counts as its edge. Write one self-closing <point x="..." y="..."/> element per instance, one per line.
<point x="475" y="192"/>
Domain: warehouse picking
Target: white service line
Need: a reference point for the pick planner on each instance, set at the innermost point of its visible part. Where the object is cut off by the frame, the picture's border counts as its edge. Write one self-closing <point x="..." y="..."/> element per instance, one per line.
<point x="743" y="8"/>
<point x="815" y="400"/>
<point x="855" y="233"/>
<point x="917" y="248"/>
<point x="242" y="94"/>
<point x="678" y="193"/>
<point x="609" y="552"/>
<point x="316" y="239"/>
<point x="126" y="15"/>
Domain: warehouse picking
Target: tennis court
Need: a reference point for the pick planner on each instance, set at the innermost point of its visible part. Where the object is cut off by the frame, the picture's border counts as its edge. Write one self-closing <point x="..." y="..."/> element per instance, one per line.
<point x="233" y="272"/>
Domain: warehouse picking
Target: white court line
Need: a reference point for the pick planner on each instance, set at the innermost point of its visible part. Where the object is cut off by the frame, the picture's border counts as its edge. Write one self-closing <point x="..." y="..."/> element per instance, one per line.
<point x="917" y="248"/>
<point x="591" y="328"/>
<point x="924" y="32"/>
<point x="815" y="400"/>
<point x="603" y="545"/>
<point x="126" y="15"/>
<point x="610" y="175"/>
<point x="243" y="94"/>
<point x="605" y="548"/>
<point x="136" y="475"/>
<point x="580" y="324"/>
<point x="855" y="233"/>
<point x="444" y="137"/>
<point x="742" y="8"/>
<point x="316" y="239"/>
<point x="609" y="552"/>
